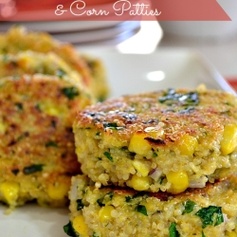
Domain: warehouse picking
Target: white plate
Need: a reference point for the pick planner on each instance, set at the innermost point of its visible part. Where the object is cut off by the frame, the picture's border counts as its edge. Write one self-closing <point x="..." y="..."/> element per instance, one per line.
<point x="61" y="26"/>
<point x="123" y="30"/>
<point x="127" y="74"/>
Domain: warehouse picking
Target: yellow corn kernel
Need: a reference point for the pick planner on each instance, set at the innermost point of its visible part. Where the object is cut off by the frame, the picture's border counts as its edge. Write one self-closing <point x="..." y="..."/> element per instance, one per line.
<point x="79" y="225"/>
<point x="187" y="145"/>
<point x="231" y="234"/>
<point x="229" y="140"/>
<point x="138" y="144"/>
<point x="139" y="183"/>
<point x="105" y="213"/>
<point x="3" y="127"/>
<point x="58" y="191"/>
<point x="179" y="181"/>
<point x="9" y="190"/>
<point x="26" y="62"/>
<point x="52" y="109"/>
<point x="141" y="168"/>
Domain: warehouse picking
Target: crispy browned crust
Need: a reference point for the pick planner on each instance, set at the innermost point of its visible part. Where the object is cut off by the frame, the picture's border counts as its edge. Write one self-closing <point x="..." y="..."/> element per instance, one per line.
<point x="19" y="39"/>
<point x="126" y="115"/>
<point x="134" y="213"/>
<point x="36" y="139"/>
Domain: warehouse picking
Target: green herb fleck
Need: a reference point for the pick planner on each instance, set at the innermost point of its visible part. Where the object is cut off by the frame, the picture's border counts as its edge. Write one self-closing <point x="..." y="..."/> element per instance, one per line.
<point x="95" y="235"/>
<point x="22" y="136"/>
<point x="141" y="209"/>
<point x="187" y="110"/>
<point x="60" y="73"/>
<point x="70" y="92"/>
<point x="211" y="215"/>
<point x="80" y="204"/>
<point x="188" y="206"/>
<point x="106" y="198"/>
<point x="112" y="126"/>
<point x="203" y="235"/>
<point x="19" y="138"/>
<point x="173" y="230"/>
<point x="33" y="169"/>
<point x="19" y="106"/>
<point x="108" y="155"/>
<point x="69" y="230"/>
<point x="51" y="144"/>
<point x="171" y="97"/>
<point x="128" y="198"/>
<point x="100" y="202"/>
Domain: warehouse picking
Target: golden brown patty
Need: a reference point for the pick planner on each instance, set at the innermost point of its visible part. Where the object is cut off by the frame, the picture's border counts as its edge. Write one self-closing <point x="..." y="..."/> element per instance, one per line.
<point x="167" y="140"/>
<point x="106" y="212"/>
<point x="31" y="62"/>
<point x="37" y="153"/>
<point x="18" y="39"/>
<point x="100" y="87"/>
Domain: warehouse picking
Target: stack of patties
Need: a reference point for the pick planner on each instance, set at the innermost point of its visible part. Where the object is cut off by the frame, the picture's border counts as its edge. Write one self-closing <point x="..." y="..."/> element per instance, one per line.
<point x="43" y="83"/>
<point x="156" y="164"/>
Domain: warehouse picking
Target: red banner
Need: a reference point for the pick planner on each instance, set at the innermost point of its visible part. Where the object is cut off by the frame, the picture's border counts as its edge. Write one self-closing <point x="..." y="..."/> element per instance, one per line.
<point x="108" y="10"/>
<point x="190" y="10"/>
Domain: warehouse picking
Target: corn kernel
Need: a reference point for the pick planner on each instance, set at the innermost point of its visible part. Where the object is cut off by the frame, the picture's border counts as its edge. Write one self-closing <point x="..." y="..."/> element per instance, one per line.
<point x="105" y="213"/>
<point x="57" y="191"/>
<point x="9" y="191"/>
<point x="139" y="183"/>
<point x="187" y="145"/>
<point x="229" y="140"/>
<point x="3" y="127"/>
<point x="138" y="144"/>
<point x="231" y="234"/>
<point x="179" y="181"/>
<point x="141" y="168"/>
<point x="52" y="109"/>
<point x="80" y="226"/>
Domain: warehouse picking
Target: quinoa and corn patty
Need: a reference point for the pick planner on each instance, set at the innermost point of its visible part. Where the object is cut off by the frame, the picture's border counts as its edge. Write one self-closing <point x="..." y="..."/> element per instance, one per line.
<point x="113" y="211"/>
<point x="37" y="152"/>
<point x="18" y="39"/>
<point x="168" y="140"/>
<point x="31" y="62"/>
<point x="100" y="85"/>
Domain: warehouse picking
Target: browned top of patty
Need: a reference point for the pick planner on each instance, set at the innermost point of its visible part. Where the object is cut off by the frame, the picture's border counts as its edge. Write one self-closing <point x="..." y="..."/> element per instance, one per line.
<point x="175" y="112"/>
<point x="36" y="114"/>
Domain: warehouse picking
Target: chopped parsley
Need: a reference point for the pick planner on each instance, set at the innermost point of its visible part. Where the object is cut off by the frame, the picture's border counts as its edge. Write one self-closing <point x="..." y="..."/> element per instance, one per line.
<point x="100" y="202"/>
<point x="171" y="97"/>
<point x="112" y="126"/>
<point x="80" y="204"/>
<point x="128" y="199"/>
<point x="211" y="215"/>
<point x="69" y="230"/>
<point x="19" y="106"/>
<point x="141" y="209"/>
<point x="33" y="169"/>
<point x="51" y="144"/>
<point x="60" y="73"/>
<point x="106" y="198"/>
<point x="108" y="155"/>
<point x="188" y="206"/>
<point x="173" y="230"/>
<point x="70" y="92"/>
